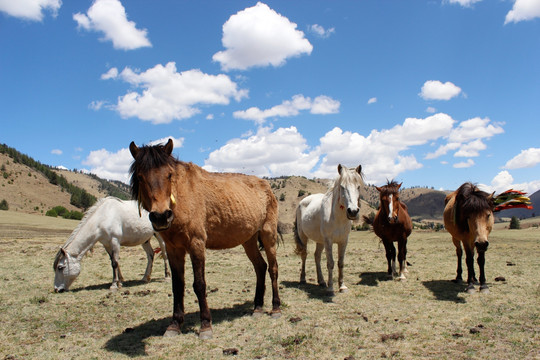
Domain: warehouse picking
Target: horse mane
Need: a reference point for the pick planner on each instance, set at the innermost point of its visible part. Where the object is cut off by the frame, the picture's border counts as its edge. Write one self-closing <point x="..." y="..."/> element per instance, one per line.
<point x="391" y="187"/>
<point x="148" y="158"/>
<point x="83" y="221"/>
<point x="470" y="200"/>
<point x="343" y="178"/>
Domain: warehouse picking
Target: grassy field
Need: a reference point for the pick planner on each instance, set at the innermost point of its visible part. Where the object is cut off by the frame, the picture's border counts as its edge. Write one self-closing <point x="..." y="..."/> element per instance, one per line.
<point x="426" y="316"/>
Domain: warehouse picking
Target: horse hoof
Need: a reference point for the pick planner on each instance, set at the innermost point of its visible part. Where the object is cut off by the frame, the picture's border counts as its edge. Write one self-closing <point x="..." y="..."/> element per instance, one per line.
<point x="205" y="334"/>
<point x="322" y="284"/>
<point x="146" y="279"/>
<point x="343" y="289"/>
<point x="276" y="314"/>
<point x="113" y="288"/>
<point x="257" y="313"/>
<point x="171" y="333"/>
<point x="471" y="290"/>
<point x="484" y="290"/>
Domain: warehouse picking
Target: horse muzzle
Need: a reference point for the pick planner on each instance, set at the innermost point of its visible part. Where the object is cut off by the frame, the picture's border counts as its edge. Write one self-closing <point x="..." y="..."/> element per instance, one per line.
<point x="161" y="221"/>
<point x="59" y="289"/>
<point x="353" y="214"/>
<point x="481" y="246"/>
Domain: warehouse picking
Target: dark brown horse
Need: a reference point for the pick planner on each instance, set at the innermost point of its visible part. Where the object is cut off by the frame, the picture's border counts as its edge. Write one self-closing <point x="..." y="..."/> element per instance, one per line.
<point x="392" y="223"/>
<point x="194" y="210"/>
<point x="468" y="217"/>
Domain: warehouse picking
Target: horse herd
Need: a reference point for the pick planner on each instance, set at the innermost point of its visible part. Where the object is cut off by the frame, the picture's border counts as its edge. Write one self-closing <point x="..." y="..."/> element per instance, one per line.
<point x="191" y="210"/>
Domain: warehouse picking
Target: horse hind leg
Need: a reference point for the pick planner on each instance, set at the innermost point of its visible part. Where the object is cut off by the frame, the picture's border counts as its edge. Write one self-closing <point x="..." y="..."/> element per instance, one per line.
<point x="260" y="266"/>
<point x="269" y="239"/>
<point x="301" y="249"/>
<point x="390" y="257"/>
<point x="318" y="254"/>
<point x="150" y="257"/>
<point x="402" y="256"/>
<point x="329" y="266"/>
<point x="459" y="254"/>
<point x="113" y="251"/>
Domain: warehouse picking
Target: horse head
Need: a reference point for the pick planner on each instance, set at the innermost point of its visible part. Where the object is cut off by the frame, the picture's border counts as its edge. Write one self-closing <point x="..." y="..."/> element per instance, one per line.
<point x="389" y="200"/>
<point x="66" y="270"/>
<point x="152" y="182"/>
<point x="350" y="182"/>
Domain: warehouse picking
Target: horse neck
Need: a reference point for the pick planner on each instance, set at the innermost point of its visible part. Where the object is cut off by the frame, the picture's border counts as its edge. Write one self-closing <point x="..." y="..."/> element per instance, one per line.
<point x="82" y="239"/>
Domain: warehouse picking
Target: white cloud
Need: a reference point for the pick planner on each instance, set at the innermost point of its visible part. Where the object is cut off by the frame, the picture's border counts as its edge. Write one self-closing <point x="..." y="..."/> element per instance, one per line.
<point x="466" y="138"/>
<point x="56" y="152"/>
<point x="504" y="181"/>
<point x="320" y="105"/>
<point x="110" y="18"/>
<point x="259" y="36"/>
<point x="523" y="10"/>
<point x="436" y="90"/>
<point x="464" y="164"/>
<point x="30" y="9"/>
<point x="431" y="110"/>
<point x="111" y="74"/>
<point x="321" y="31"/>
<point x="115" y="165"/>
<point x="168" y="95"/>
<point x="464" y="3"/>
<point x="289" y="155"/>
<point x="372" y="100"/>
<point x="525" y="159"/>
<point x="96" y="105"/>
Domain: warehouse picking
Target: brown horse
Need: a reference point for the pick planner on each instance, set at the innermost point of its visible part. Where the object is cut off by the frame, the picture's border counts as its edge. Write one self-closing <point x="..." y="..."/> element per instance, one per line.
<point x="194" y="210"/>
<point x="392" y="223"/>
<point x="468" y="217"/>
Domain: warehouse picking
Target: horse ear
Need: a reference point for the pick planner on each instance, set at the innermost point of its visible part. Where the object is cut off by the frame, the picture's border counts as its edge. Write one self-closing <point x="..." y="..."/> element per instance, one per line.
<point x="133" y="149"/>
<point x="490" y="197"/>
<point x="399" y="186"/>
<point x="359" y="169"/>
<point x="339" y="167"/>
<point x="169" y="147"/>
<point x="378" y="188"/>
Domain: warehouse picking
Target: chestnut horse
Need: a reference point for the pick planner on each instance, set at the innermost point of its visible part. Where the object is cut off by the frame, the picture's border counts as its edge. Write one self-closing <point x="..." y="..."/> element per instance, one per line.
<point x="392" y="223"/>
<point x="194" y="210"/>
<point x="468" y="217"/>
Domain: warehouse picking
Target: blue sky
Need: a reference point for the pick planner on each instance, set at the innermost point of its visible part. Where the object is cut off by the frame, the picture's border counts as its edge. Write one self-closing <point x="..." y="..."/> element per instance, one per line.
<point x="430" y="93"/>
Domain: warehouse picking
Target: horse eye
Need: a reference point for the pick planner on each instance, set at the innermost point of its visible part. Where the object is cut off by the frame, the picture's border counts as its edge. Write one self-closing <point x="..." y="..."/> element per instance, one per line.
<point x="170" y="176"/>
<point x="61" y="267"/>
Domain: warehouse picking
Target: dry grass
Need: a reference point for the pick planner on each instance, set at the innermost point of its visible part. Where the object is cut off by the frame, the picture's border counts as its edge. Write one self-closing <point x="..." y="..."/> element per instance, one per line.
<point x="425" y="317"/>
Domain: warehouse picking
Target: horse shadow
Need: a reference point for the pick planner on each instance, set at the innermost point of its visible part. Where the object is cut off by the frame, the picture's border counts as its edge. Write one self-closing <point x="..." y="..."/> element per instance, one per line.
<point x="131" y="341"/>
<point x="373" y="278"/>
<point x="445" y="290"/>
<point x="314" y="291"/>
<point x="106" y="286"/>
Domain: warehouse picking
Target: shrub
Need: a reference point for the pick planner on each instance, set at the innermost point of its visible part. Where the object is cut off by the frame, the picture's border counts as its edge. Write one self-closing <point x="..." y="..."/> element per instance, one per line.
<point x="4" y="205"/>
<point x="51" y="213"/>
<point x="301" y="193"/>
<point x="282" y="197"/>
<point x="60" y="210"/>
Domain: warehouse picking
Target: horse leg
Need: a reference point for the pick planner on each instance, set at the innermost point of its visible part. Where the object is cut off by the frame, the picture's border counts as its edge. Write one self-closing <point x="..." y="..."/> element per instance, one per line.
<point x="481" y="262"/>
<point x="469" y="259"/>
<point x="269" y="239"/>
<point x="329" y="266"/>
<point x="459" y="254"/>
<point x="163" y="254"/>
<point x="303" y="256"/>
<point x="112" y="250"/>
<point x="402" y="256"/>
<point x="150" y="258"/>
<point x="390" y="256"/>
<point x="253" y="253"/>
<point x="341" y="263"/>
<point x="177" y="259"/>
<point x="198" y="257"/>
<point x="318" y="252"/>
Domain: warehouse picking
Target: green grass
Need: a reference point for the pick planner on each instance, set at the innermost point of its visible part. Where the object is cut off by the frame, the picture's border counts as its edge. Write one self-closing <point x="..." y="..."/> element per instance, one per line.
<point x="426" y="316"/>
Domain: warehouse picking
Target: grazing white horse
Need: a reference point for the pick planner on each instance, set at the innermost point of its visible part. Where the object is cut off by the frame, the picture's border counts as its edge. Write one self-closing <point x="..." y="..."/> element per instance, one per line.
<point x="114" y="223"/>
<point x="326" y="219"/>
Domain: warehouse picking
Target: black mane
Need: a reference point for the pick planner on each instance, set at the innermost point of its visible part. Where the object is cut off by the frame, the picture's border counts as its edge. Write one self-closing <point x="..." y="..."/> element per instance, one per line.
<point x="148" y="158"/>
<point x="391" y="187"/>
<point x="470" y="200"/>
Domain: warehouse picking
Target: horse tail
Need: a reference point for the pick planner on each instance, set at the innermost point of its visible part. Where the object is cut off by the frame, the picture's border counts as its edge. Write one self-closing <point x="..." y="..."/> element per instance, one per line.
<point x="300" y="246"/>
<point x="278" y="240"/>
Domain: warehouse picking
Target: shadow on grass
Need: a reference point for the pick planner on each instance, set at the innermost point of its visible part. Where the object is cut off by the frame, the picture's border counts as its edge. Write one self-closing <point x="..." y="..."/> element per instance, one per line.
<point x="314" y="291"/>
<point x="105" y="286"/>
<point x="131" y="342"/>
<point x="445" y="290"/>
<point x="373" y="278"/>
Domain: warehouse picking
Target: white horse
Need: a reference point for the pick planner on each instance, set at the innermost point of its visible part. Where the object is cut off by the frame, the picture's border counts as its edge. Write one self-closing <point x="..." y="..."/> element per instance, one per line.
<point x="114" y="223"/>
<point x="326" y="219"/>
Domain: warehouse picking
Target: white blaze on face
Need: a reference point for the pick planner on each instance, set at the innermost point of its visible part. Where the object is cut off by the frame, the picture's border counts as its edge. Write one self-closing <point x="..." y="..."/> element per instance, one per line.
<point x="390" y="206"/>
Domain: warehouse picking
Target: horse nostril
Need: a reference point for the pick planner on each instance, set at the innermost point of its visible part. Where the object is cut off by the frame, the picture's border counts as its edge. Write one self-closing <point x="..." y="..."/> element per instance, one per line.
<point x="482" y="246"/>
<point x="168" y="214"/>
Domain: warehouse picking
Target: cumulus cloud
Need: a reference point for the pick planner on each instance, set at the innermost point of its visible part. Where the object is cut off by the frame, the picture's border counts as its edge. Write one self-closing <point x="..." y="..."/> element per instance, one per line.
<point x="167" y="95"/>
<point x="523" y="10"/>
<point x="466" y="138"/>
<point x="464" y="3"/>
<point x="56" y="152"/>
<point x="115" y="165"/>
<point x="110" y="18"/>
<point x="382" y="153"/>
<point x="259" y="36"/>
<point x="372" y="100"/>
<point x="320" y="105"/>
<point x="464" y="164"/>
<point x="30" y="9"/>
<point x="96" y="105"/>
<point x="321" y="31"/>
<point x="504" y="181"/>
<point x="251" y="155"/>
<point x="436" y="90"/>
<point x="525" y="159"/>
